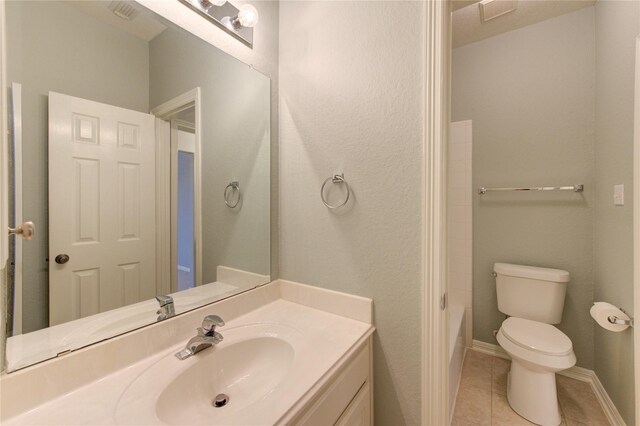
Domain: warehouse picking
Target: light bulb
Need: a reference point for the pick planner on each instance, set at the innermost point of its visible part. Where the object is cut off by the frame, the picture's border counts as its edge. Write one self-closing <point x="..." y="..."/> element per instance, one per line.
<point x="208" y="4"/>
<point x="248" y="16"/>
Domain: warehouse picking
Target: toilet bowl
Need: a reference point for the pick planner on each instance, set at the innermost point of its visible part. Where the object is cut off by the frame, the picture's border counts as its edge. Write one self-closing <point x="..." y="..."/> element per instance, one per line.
<point x="533" y="299"/>
<point x="537" y="351"/>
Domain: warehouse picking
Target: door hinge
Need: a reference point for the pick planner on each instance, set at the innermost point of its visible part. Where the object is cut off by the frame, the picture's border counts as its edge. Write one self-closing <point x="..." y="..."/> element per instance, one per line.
<point x="443" y="302"/>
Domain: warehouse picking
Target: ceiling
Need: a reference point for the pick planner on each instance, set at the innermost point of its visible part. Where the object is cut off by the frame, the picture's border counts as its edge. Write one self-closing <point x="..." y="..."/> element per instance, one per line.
<point x="467" y="27"/>
<point x="144" y="25"/>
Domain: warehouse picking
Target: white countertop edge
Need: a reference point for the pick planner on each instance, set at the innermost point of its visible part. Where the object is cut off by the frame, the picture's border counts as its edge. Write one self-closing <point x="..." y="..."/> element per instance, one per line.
<point x="81" y="367"/>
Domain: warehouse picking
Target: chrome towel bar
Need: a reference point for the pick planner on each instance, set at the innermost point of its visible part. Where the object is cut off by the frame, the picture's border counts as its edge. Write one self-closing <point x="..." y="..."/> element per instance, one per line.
<point x="574" y="188"/>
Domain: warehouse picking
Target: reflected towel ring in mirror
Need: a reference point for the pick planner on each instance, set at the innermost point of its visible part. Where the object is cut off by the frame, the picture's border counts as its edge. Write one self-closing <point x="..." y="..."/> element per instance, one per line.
<point x="230" y="189"/>
<point x="335" y="179"/>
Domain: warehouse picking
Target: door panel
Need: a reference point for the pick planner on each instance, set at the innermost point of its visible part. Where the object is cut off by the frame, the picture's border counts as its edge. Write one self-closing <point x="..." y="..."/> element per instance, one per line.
<point x="101" y="207"/>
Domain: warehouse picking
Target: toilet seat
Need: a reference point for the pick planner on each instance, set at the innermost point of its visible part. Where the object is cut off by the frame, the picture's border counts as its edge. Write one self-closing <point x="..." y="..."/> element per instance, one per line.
<point x="537" y="337"/>
<point x="537" y="351"/>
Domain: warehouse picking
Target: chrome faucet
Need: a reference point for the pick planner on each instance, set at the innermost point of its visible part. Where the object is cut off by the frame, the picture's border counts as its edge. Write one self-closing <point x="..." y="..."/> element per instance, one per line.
<point x="166" y="307"/>
<point x="207" y="336"/>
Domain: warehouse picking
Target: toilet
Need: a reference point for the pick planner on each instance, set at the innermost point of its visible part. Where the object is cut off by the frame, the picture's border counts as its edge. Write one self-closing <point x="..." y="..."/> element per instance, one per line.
<point x="533" y="299"/>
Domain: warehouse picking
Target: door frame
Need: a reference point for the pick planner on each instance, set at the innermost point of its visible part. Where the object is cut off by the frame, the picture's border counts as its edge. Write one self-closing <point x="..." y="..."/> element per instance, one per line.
<point x="636" y="229"/>
<point x="4" y="168"/>
<point x="435" y="318"/>
<point x="166" y="254"/>
<point x="16" y="140"/>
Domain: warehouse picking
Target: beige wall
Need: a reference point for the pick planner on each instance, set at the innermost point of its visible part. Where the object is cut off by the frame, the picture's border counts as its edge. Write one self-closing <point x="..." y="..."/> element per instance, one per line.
<point x="530" y="94"/>
<point x="617" y="25"/>
<point x="54" y="47"/>
<point x="235" y="145"/>
<point x="351" y="100"/>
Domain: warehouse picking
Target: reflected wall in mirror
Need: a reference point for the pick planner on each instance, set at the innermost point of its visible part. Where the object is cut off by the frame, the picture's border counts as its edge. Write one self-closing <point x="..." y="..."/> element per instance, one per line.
<point x="142" y="155"/>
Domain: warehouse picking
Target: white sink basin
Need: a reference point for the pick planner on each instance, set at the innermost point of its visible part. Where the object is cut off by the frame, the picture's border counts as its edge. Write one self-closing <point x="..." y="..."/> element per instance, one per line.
<point x="245" y="371"/>
<point x="250" y="365"/>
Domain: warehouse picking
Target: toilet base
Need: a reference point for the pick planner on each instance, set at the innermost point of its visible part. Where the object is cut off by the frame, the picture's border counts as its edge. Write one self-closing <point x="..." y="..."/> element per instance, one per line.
<point x="533" y="395"/>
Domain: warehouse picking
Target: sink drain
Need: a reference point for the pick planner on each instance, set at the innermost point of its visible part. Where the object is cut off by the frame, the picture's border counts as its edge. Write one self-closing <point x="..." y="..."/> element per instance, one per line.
<point x="220" y="400"/>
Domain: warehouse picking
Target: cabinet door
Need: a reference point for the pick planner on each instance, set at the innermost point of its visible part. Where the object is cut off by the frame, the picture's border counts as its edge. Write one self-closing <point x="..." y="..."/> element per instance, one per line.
<point x="358" y="413"/>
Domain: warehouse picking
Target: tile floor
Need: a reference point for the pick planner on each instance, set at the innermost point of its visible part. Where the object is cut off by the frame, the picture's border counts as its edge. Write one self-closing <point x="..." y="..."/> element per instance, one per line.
<point x="482" y="396"/>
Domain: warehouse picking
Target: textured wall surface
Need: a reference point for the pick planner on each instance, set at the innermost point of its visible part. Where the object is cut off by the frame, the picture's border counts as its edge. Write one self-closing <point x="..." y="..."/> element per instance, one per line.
<point x="351" y="87"/>
<point x="235" y="145"/>
<point x="531" y="96"/>
<point x="54" y="47"/>
<point x="617" y="25"/>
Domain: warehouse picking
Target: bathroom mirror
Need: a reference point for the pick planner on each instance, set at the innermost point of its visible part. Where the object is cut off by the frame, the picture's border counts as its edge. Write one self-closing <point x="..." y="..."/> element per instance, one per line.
<point x="141" y="154"/>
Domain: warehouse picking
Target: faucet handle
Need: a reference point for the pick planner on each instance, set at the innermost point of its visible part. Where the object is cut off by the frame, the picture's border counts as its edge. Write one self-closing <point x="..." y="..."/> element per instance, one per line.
<point x="167" y="310"/>
<point x="164" y="300"/>
<point x="210" y="322"/>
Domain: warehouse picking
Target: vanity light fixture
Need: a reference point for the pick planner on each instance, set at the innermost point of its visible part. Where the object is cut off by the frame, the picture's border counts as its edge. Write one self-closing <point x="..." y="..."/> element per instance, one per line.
<point x="238" y="22"/>
<point x="246" y="17"/>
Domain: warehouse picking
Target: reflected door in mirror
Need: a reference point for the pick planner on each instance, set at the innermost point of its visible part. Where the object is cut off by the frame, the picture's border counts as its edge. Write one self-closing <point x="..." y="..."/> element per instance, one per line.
<point x="101" y="185"/>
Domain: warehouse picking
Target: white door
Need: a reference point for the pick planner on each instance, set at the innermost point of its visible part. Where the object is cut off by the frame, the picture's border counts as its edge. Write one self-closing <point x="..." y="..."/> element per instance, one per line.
<point x="101" y="207"/>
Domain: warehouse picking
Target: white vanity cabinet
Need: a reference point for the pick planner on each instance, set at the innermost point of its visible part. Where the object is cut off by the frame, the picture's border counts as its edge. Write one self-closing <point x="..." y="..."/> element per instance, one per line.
<point x="346" y="398"/>
<point x="294" y="372"/>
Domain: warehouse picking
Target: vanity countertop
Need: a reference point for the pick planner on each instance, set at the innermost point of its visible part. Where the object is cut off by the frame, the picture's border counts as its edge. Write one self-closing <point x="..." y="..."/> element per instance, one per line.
<point x="321" y="341"/>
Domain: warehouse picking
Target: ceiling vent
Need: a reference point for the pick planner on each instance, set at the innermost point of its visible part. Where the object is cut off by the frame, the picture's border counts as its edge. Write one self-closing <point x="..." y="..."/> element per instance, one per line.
<point x="123" y="9"/>
<point x="490" y="9"/>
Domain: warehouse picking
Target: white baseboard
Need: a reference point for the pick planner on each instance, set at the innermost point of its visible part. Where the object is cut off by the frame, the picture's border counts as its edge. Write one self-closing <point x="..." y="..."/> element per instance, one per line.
<point x="489" y="349"/>
<point x="577" y="373"/>
<point x="610" y="410"/>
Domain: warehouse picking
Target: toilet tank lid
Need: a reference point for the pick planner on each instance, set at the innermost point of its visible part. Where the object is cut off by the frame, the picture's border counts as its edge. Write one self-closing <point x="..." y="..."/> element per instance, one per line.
<point x="533" y="272"/>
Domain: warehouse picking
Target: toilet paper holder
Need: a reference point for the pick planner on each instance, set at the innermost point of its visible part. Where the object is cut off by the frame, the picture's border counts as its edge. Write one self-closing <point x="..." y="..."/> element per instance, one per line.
<point x="620" y="321"/>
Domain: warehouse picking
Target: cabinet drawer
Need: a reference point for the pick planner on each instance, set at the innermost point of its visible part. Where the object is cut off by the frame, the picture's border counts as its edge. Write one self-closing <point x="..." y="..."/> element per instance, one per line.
<point x="358" y="413"/>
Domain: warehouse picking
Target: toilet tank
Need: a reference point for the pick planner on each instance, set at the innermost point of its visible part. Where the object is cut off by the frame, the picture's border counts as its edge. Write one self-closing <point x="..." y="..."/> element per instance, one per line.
<point x="530" y="292"/>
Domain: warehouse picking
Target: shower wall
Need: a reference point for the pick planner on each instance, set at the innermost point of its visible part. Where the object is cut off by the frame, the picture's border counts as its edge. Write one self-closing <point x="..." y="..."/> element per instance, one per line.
<point x="459" y="215"/>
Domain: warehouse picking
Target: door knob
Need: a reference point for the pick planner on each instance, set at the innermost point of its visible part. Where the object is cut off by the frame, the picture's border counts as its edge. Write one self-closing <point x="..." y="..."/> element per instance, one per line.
<point x="27" y="230"/>
<point x="61" y="259"/>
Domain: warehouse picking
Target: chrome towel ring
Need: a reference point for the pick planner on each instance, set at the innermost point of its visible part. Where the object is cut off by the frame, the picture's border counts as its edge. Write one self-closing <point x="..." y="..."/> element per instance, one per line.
<point x="335" y="179"/>
<point x="228" y="190"/>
